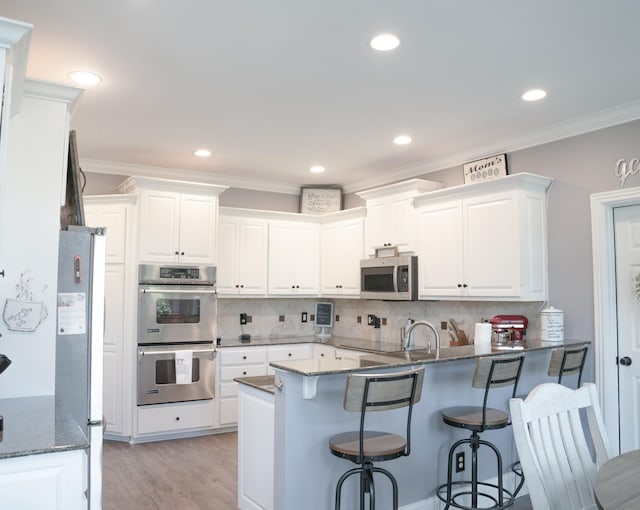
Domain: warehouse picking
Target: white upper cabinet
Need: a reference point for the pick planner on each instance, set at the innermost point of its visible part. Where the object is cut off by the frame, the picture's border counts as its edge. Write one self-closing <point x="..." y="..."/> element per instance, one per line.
<point x="391" y="215"/>
<point x="485" y="240"/>
<point x="177" y="220"/>
<point x="341" y="248"/>
<point x="294" y="257"/>
<point x="242" y="254"/>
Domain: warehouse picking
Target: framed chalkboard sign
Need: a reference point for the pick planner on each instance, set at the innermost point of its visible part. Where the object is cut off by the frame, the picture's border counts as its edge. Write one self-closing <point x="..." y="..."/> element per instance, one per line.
<point x="324" y="314"/>
<point x="315" y="200"/>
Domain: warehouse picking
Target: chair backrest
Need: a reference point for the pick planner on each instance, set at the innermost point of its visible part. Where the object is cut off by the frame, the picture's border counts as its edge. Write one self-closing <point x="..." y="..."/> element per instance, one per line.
<point x="496" y="372"/>
<point x="553" y="444"/>
<point x="566" y="361"/>
<point x="383" y="392"/>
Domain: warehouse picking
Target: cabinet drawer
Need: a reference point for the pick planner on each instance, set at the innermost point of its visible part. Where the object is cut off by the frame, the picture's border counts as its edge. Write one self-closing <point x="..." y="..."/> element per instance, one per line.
<point x="289" y="352"/>
<point x="230" y="373"/>
<point x="249" y="356"/>
<point x="174" y="417"/>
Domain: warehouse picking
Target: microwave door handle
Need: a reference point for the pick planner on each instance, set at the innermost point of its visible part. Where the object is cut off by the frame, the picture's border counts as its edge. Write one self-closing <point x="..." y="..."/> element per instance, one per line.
<point x="179" y="291"/>
<point x="395" y="278"/>
<point x="195" y="351"/>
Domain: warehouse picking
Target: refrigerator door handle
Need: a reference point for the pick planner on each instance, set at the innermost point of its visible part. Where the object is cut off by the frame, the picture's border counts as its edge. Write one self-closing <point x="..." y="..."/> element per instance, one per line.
<point x="195" y="351"/>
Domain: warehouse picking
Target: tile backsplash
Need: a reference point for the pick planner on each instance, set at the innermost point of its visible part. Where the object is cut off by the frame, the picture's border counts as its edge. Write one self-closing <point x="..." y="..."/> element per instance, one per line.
<point x="268" y="318"/>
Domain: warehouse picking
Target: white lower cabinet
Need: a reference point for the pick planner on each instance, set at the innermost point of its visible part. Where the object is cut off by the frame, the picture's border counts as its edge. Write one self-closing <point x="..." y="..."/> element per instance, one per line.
<point x="51" y="481"/>
<point x="255" y="449"/>
<point x="170" y="418"/>
<point x="288" y="352"/>
<point x="237" y="362"/>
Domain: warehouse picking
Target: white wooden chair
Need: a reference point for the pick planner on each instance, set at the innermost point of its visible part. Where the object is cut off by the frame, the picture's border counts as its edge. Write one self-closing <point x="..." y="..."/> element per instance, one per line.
<point x="553" y="442"/>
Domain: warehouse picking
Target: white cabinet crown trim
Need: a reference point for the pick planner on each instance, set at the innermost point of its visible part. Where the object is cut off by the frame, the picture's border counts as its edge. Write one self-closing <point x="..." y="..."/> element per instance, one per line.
<point x="134" y="183"/>
<point x="523" y="180"/>
<point x="412" y="185"/>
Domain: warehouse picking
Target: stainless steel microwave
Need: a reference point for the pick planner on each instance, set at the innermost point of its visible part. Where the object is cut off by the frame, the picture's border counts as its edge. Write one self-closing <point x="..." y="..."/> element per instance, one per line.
<point x="389" y="278"/>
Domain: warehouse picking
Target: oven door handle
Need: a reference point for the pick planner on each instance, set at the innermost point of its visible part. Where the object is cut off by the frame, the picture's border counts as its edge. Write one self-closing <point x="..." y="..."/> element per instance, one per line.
<point x="195" y="351"/>
<point x="169" y="290"/>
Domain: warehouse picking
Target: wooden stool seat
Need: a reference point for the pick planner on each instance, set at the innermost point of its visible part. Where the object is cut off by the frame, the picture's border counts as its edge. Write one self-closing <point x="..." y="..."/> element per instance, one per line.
<point x="470" y="417"/>
<point x="377" y="445"/>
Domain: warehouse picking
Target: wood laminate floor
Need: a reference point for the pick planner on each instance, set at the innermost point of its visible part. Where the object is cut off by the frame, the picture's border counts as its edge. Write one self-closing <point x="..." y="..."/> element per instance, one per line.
<point x="184" y="474"/>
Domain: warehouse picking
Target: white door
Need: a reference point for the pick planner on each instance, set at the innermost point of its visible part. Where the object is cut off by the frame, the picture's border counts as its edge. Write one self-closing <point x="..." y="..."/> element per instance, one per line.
<point x="627" y="249"/>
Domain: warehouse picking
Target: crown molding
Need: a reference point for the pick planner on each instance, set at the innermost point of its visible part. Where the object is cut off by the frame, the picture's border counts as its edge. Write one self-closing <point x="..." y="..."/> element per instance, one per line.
<point x="50" y="90"/>
<point x="132" y="170"/>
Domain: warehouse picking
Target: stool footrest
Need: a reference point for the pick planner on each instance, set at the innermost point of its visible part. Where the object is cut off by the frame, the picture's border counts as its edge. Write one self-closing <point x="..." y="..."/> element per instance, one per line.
<point x="507" y="496"/>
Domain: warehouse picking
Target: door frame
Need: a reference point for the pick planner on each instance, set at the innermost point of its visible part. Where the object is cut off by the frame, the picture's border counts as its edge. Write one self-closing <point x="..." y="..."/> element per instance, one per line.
<point x="604" y="306"/>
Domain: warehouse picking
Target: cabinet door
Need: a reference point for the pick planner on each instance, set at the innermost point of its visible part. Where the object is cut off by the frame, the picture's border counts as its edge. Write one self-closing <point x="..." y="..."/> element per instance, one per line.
<point x="114" y="349"/>
<point x="197" y="227"/>
<point x="294" y="251"/>
<point x="159" y="226"/>
<point x="376" y="225"/>
<point x="114" y="218"/>
<point x="227" y="274"/>
<point x="253" y="257"/>
<point x="307" y="259"/>
<point x="440" y="250"/>
<point x="491" y="246"/>
<point x="342" y="247"/>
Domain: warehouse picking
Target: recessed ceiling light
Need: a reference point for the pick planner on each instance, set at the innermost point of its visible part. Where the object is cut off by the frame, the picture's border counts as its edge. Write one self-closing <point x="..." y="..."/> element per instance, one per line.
<point x="202" y="153"/>
<point x="402" y="140"/>
<point x="85" y="77"/>
<point x="317" y="169"/>
<point x="534" y="95"/>
<point x="385" y="42"/>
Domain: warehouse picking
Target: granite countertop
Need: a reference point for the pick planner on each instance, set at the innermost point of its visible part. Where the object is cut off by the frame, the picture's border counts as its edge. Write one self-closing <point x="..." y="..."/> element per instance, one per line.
<point x="336" y="341"/>
<point x="265" y="383"/>
<point x="389" y="359"/>
<point x="34" y="425"/>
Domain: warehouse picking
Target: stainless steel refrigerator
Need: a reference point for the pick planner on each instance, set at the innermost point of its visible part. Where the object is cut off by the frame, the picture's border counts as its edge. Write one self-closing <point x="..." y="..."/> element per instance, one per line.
<point x="80" y="332"/>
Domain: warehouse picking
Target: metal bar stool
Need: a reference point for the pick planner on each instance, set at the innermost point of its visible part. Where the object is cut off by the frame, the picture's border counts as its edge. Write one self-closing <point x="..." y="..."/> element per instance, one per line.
<point x="368" y="393"/>
<point x="490" y="373"/>
<point x="563" y="361"/>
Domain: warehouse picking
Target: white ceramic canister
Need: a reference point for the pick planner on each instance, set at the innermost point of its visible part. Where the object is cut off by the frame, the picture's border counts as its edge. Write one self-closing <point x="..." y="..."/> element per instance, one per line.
<point x="551" y="325"/>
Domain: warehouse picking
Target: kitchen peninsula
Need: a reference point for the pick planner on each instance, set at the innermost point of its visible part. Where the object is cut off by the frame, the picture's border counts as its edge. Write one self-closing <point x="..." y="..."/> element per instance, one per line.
<point x="302" y="408"/>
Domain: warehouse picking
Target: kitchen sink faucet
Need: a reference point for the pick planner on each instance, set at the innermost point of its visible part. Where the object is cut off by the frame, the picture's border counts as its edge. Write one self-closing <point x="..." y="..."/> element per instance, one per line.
<point x="406" y="342"/>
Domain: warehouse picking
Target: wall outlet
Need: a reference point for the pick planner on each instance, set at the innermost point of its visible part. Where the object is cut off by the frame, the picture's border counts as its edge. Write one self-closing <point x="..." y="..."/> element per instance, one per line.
<point x="281" y="318"/>
<point x="384" y="321"/>
<point x="371" y="319"/>
<point x="303" y="317"/>
<point x="459" y="462"/>
<point x="443" y="325"/>
<point x="359" y="319"/>
<point x="337" y="318"/>
<point x="243" y="319"/>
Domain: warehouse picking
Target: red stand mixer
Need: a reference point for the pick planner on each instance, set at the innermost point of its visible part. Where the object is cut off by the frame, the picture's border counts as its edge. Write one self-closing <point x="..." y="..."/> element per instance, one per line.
<point x="507" y="329"/>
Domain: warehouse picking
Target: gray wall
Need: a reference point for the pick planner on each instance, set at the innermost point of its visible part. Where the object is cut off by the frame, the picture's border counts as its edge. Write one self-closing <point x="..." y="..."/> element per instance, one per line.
<point x="580" y="165"/>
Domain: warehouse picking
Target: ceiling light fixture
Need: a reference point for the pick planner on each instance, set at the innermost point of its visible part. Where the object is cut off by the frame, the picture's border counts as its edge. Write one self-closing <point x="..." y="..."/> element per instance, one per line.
<point x="385" y="42"/>
<point x="85" y="78"/>
<point x="402" y="140"/>
<point x="534" y="95"/>
<point x="317" y="169"/>
<point x="202" y="153"/>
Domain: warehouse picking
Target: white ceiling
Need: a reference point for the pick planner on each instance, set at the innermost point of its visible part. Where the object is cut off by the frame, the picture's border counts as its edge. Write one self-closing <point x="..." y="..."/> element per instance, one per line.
<point x="274" y="87"/>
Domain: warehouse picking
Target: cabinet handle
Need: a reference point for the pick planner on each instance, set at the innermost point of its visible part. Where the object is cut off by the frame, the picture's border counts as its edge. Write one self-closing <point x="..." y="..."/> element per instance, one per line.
<point x="177" y="418"/>
<point x="181" y="253"/>
<point x="297" y="286"/>
<point x="242" y="286"/>
<point x="237" y="286"/>
<point x="177" y="253"/>
<point x="293" y="286"/>
<point x="459" y="285"/>
<point x="465" y="285"/>
<point x="244" y="373"/>
<point x="244" y="357"/>
<point x="289" y="354"/>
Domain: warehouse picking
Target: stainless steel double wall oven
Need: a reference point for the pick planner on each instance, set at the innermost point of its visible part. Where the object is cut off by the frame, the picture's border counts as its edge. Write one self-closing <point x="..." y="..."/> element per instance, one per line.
<point x="177" y="310"/>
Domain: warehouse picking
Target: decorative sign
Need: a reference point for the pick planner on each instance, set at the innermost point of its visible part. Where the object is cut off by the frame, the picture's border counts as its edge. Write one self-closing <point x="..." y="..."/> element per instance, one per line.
<point x="320" y="200"/>
<point x="485" y="169"/>
<point x="24" y="313"/>
<point x="624" y="170"/>
<point x="324" y="314"/>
